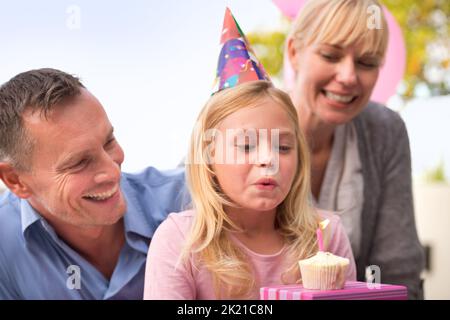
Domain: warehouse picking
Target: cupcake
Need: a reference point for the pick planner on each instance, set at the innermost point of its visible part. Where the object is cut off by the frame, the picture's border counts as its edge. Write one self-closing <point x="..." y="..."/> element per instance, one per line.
<point x="324" y="271"/>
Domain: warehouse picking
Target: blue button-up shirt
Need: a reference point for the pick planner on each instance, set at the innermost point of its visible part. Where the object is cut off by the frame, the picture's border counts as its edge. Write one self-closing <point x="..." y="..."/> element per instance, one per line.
<point x="36" y="264"/>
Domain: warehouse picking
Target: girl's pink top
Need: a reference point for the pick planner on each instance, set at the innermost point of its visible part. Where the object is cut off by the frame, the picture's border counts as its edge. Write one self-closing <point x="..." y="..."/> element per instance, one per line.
<point x="166" y="277"/>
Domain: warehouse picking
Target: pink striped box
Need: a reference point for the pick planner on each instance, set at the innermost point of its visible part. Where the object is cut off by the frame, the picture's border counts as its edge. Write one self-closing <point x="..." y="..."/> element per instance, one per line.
<point x="273" y="292"/>
<point x="352" y="290"/>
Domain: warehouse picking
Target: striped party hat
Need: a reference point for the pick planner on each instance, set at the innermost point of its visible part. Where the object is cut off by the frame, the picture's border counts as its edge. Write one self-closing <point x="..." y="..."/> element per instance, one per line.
<point x="237" y="61"/>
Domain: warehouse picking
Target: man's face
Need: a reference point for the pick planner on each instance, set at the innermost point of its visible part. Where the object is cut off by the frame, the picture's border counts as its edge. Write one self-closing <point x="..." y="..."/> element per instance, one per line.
<point x="75" y="166"/>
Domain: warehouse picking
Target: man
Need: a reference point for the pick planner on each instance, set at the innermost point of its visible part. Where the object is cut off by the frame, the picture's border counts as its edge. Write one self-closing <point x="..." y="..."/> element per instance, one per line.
<point x="72" y="226"/>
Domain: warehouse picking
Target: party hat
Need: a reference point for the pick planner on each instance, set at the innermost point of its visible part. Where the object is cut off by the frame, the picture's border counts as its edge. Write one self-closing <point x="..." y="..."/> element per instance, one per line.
<point x="237" y="61"/>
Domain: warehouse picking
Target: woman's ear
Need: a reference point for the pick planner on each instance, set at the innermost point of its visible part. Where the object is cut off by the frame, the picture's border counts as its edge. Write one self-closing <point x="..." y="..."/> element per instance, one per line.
<point x="11" y="179"/>
<point x="292" y="54"/>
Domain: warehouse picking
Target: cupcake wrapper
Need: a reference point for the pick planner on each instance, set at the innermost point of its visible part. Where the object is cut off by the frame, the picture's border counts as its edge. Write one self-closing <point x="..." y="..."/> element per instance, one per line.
<point x="323" y="277"/>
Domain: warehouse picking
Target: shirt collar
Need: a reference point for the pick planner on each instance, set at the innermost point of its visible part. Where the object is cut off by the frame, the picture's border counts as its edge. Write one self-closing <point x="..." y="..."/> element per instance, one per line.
<point x="134" y="218"/>
<point x="28" y="215"/>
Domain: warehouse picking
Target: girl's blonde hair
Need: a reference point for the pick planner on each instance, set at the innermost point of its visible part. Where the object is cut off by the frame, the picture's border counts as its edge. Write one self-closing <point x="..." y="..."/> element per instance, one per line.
<point x="296" y="220"/>
<point x="343" y="23"/>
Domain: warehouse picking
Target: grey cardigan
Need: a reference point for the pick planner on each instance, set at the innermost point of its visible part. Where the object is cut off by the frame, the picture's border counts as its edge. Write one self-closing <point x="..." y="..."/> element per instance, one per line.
<point x="389" y="237"/>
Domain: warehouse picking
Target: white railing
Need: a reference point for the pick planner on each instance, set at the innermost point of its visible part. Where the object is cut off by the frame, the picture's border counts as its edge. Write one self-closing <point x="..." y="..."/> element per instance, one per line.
<point x="432" y="206"/>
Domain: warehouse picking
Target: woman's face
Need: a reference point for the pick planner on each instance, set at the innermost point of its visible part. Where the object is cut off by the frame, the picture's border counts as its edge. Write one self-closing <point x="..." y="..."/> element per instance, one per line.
<point x="333" y="84"/>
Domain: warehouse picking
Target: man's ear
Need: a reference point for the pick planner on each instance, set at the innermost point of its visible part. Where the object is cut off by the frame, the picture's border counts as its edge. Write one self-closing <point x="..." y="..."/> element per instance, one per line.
<point x="11" y="178"/>
<point x="292" y="53"/>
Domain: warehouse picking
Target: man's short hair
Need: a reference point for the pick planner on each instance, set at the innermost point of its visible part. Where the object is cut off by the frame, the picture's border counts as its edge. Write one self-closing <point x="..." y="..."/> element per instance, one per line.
<point x="36" y="90"/>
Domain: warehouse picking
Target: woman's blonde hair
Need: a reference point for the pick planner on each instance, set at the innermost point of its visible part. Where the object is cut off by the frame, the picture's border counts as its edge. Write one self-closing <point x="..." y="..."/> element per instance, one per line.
<point x="296" y="220"/>
<point x="343" y="23"/>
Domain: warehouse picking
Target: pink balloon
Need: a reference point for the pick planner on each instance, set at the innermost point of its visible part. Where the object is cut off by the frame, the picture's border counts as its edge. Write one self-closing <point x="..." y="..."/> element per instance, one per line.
<point x="391" y="73"/>
<point x="289" y="8"/>
<point x="395" y="63"/>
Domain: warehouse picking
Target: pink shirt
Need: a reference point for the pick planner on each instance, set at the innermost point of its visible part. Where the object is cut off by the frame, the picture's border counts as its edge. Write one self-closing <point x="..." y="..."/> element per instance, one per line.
<point x="167" y="278"/>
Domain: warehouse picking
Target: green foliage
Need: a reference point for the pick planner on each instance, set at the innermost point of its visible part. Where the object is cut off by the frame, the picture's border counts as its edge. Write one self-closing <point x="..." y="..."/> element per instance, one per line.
<point x="269" y="47"/>
<point x="436" y="174"/>
<point x="426" y="29"/>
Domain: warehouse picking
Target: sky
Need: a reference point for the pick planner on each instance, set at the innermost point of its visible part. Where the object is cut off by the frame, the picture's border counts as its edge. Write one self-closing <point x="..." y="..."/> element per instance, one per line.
<point x="427" y="122"/>
<point x="152" y="63"/>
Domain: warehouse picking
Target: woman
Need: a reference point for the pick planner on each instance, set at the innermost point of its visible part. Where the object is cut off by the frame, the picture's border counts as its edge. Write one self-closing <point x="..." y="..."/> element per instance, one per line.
<point x="361" y="164"/>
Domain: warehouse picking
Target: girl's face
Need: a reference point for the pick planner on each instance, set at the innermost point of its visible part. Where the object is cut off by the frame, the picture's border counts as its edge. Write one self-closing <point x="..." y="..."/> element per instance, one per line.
<point x="333" y="84"/>
<point x="255" y="156"/>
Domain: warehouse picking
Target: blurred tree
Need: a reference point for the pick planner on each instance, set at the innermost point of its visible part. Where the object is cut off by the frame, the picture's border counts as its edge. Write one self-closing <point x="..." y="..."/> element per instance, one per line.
<point x="269" y="48"/>
<point x="426" y="29"/>
<point x="437" y="174"/>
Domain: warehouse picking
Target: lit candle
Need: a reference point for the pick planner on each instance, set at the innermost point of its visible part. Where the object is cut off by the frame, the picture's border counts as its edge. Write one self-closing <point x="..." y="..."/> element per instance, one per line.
<point x="320" y="238"/>
<point x="322" y="225"/>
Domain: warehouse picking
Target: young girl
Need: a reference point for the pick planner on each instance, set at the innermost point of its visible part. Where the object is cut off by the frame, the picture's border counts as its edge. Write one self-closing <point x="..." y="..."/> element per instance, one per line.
<point x="250" y="224"/>
<point x="248" y="172"/>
